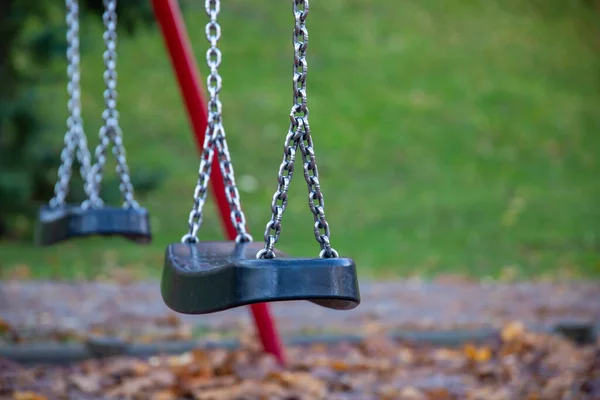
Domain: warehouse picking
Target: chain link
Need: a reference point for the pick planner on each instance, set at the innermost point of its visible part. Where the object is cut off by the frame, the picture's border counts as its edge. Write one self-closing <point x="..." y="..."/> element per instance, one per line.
<point x="111" y="131"/>
<point x="298" y="137"/>
<point x="75" y="139"/>
<point x="214" y="138"/>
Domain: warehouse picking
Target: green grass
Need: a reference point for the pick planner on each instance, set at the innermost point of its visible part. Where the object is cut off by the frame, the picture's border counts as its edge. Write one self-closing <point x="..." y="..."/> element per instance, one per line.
<point x="453" y="136"/>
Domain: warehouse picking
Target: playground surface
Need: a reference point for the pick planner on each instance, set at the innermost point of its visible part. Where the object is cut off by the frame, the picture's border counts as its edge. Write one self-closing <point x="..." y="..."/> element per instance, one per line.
<point x="520" y="361"/>
<point x="521" y="365"/>
<point x="38" y="310"/>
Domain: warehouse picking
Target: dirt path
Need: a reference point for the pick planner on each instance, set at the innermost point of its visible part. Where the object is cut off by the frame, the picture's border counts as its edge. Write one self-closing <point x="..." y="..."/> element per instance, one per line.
<point x="40" y="310"/>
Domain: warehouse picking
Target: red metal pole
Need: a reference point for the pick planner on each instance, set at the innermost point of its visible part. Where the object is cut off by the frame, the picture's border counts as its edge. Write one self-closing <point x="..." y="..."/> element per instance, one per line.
<point x="168" y="15"/>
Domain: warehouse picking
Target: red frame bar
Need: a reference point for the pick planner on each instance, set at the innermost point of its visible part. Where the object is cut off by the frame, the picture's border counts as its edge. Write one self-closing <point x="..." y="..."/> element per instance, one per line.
<point x="168" y="15"/>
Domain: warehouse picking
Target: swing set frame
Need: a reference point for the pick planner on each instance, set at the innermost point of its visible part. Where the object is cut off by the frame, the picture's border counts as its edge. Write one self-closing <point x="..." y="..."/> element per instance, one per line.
<point x="174" y="32"/>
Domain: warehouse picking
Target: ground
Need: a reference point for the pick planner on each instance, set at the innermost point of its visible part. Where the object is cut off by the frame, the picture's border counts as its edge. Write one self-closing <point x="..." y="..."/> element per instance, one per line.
<point x="519" y="365"/>
<point x="445" y="345"/>
<point x="452" y="136"/>
<point x="39" y="311"/>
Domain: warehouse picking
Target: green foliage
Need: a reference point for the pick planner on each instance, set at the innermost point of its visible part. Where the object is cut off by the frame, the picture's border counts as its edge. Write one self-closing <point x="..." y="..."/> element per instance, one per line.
<point x="32" y="37"/>
<point x="453" y="136"/>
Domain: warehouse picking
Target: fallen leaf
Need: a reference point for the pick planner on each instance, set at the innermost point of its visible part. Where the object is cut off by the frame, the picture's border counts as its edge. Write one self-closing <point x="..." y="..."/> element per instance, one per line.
<point x="339" y="365"/>
<point x="171" y="320"/>
<point x="477" y="354"/>
<point x="196" y="385"/>
<point x="87" y="383"/>
<point x="301" y="380"/>
<point x="228" y="393"/>
<point x="140" y="368"/>
<point x="438" y="394"/>
<point x="131" y="387"/>
<point x="166" y="394"/>
<point x="411" y="393"/>
<point x="5" y="326"/>
<point x="28" y="396"/>
<point x="512" y="331"/>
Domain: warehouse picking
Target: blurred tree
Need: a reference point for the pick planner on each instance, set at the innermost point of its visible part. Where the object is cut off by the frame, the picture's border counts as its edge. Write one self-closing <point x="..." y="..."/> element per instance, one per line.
<point x="27" y="165"/>
<point x="593" y="3"/>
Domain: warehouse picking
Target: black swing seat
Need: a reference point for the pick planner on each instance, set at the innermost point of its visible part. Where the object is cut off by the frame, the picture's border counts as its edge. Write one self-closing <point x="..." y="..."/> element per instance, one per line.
<point x="71" y="221"/>
<point x="206" y="277"/>
<point x="53" y="224"/>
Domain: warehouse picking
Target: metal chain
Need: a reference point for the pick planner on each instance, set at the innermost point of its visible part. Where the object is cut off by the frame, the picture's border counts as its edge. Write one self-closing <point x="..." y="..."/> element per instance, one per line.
<point x="232" y="193"/>
<point x="111" y="131"/>
<point x="214" y="138"/>
<point x="298" y="136"/>
<point x="75" y="139"/>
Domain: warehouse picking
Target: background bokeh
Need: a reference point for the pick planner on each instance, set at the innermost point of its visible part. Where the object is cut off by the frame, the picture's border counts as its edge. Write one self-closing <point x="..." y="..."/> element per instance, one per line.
<point x="453" y="137"/>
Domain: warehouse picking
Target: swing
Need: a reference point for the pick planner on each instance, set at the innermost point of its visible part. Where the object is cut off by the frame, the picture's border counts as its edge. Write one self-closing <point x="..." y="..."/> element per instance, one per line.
<point x="205" y="277"/>
<point x="58" y="220"/>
